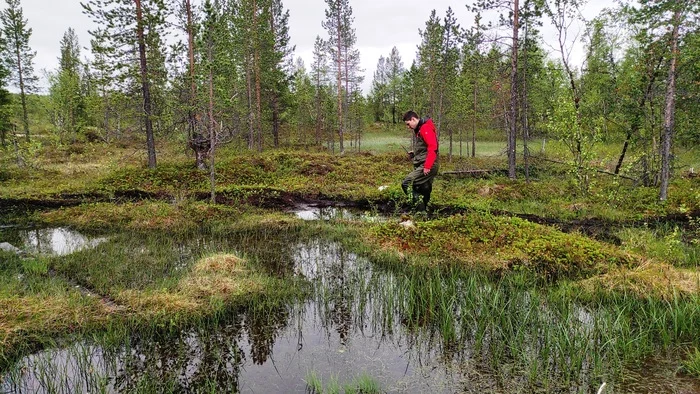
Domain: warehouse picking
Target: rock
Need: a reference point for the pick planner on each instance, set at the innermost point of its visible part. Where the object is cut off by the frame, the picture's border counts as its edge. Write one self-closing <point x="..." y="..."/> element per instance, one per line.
<point x="9" y="248"/>
<point x="407" y="224"/>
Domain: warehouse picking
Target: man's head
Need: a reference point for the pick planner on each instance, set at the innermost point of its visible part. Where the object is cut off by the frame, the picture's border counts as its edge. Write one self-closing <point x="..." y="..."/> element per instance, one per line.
<point x="411" y="119"/>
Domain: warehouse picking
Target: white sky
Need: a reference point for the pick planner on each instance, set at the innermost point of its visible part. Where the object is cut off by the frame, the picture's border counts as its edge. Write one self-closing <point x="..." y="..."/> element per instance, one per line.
<point x="379" y="25"/>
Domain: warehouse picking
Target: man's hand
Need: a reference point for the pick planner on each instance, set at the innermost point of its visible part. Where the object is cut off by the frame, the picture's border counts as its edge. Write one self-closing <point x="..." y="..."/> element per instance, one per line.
<point x="426" y="171"/>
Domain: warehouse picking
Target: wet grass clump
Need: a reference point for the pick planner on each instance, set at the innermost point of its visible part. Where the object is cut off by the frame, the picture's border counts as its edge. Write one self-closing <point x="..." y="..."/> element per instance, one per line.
<point x="363" y="384"/>
<point x="132" y="279"/>
<point x="691" y="365"/>
<point x="497" y="243"/>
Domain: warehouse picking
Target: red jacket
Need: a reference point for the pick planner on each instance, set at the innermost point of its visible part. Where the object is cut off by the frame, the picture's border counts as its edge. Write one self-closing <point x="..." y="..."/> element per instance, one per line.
<point x="426" y="131"/>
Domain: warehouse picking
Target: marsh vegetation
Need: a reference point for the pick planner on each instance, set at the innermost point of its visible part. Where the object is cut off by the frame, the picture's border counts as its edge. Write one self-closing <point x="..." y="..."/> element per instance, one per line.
<point x="307" y="275"/>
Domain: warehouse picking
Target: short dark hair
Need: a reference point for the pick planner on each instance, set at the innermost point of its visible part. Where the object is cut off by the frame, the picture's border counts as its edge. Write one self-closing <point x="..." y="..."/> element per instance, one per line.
<point x="410" y="115"/>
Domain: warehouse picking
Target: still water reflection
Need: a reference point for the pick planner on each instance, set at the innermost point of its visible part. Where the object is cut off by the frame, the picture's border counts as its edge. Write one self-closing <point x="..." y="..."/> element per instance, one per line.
<point x="409" y="334"/>
<point x="264" y="349"/>
<point x="50" y="241"/>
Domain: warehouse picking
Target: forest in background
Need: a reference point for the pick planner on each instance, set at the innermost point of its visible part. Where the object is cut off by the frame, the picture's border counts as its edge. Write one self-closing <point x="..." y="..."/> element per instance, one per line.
<point x="216" y="72"/>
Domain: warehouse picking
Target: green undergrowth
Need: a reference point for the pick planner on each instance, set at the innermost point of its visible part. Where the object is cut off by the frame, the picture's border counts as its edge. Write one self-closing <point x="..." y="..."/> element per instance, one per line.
<point x="244" y="177"/>
<point x="691" y="365"/>
<point x="497" y="243"/>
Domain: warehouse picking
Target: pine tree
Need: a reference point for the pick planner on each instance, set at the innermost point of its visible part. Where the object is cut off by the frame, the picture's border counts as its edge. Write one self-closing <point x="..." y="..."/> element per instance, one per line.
<point x="448" y="76"/>
<point x="338" y="24"/>
<point x="18" y="55"/>
<point x="379" y="90"/>
<point x="430" y="61"/>
<point x="319" y="76"/>
<point x="395" y="71"/>
<point x="67" y="91"/>
<point x="132" y="27"/>
<point x="5" y="101"/>
<point x="278" y="57"/>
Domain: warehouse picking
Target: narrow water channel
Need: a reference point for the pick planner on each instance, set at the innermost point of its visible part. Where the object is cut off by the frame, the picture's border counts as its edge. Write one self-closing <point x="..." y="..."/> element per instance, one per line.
<point x="411" y="333"/>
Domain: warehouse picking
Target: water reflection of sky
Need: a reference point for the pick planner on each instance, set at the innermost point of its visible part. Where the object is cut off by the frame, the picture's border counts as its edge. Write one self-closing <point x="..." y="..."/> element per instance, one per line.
<point x="347" y="328"/>
<point x="54" y="241"/>
<point x="308" y="212"/>
<point x="330" y="334"/>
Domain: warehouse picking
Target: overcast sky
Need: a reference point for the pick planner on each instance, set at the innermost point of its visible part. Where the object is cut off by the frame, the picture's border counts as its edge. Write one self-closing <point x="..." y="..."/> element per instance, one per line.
<point x="379" y="24"/>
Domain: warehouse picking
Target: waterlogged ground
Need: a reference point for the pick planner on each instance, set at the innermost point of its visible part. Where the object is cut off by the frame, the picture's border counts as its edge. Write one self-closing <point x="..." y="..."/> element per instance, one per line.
<point x="422" y="331"/>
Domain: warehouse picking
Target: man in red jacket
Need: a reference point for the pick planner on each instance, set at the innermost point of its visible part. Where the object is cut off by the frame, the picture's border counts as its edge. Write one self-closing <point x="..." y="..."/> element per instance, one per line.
<point x="425" y="159"/>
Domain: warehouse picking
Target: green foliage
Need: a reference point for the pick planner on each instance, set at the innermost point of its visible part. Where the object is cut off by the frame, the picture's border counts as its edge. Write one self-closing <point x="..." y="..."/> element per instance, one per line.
<point x="66" y="91"/>
<point x="565" y="123"/>
<point x="18" y="55"/>
<point x="497" y="242"/>
<point x="691" y="365"/>
<point x="363" y="384"/>
<point x="35" y="266"/>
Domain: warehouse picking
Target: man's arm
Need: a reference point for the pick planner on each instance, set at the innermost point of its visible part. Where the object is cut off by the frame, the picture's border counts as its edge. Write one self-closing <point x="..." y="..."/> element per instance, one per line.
<point x="427" y="132"/>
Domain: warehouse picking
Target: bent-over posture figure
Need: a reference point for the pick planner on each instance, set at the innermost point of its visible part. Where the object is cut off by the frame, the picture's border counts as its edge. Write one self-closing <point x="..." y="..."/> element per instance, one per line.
<point x="425" y="159"/>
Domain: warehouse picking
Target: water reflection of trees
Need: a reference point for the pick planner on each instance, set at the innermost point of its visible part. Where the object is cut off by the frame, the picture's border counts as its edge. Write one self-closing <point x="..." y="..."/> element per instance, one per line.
<point x="205" y="358"/>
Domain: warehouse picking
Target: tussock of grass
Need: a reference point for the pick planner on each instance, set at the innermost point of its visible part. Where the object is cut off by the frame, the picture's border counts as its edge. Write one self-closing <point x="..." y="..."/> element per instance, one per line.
<point x="691" y="365"/>
<point x="30" y="318"/>
<point x="214" y="278"/>
<point x="651" y="279"/>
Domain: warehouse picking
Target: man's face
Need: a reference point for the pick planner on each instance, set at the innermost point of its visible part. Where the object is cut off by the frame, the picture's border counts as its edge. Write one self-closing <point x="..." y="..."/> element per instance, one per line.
<point x="412" y="123"/>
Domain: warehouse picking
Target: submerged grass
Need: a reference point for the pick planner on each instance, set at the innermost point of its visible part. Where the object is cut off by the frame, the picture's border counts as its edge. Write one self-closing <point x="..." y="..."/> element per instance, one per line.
<point x="136" y="279"/>
<point x="362" y="384"/>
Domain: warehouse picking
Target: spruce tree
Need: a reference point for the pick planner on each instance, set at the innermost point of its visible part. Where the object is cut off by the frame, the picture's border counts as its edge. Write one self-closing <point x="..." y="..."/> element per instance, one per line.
<point x="345" y="58"/>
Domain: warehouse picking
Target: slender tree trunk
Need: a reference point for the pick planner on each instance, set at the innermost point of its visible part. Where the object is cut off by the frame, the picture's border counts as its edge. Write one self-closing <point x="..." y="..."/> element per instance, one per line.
<point x="251" y="112"/>
<point x="346" y="109"/>
<point x="196" y="140"/>
<point x="340" y="84"/>
<point x="212" y="128"/>
<point x="524" y="109"/>
<point x="105" y="97"/>
<point x="637" y="121"/>
<point x="274" y="100"/>
<point x="476" y="116"/>
<point x="22" y="93"/>
<point x="258" y="101"/>
<point x="145" y="87"/>
<point x="512" y="139"/>
<point x="319" y="118"/>
<point x="667" y="137"/>
<point x="256" y="74"/>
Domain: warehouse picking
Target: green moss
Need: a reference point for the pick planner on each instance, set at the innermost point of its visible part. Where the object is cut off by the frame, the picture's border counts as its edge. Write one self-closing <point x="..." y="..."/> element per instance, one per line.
<point x="498" y="243"/>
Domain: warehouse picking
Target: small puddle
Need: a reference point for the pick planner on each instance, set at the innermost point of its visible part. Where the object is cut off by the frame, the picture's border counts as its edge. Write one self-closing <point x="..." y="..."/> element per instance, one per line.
<point x="310" y="212"/>
<point x="51" y="241"/>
